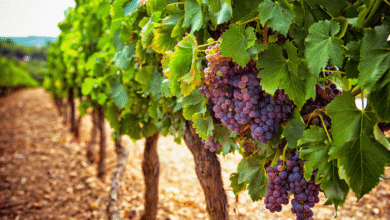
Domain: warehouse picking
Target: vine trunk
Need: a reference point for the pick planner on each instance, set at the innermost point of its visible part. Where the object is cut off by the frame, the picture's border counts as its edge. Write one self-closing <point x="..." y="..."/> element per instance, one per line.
<point x="208" y="171"/>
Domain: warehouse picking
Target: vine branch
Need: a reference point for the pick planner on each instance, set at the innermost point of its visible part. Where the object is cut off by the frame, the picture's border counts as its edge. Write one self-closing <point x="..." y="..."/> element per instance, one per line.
<point x="265" y="34"/>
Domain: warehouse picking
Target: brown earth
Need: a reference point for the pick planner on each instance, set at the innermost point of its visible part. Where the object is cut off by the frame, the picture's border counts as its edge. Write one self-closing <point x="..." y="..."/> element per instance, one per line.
<point x="44" y="174"/>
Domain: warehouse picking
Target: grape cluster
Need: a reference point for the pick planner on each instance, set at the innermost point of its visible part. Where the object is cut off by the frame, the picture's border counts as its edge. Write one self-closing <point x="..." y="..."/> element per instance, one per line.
<point x="277" y="193"/>
<point x="327" y="73"/>
<point x="211" y="145"/>
<point x="305" y="193"/>
<point x="324" y="95"/>
<point x="272" y="110"/>
<point x="238" y="99"/>
<point x="290" y="179"/>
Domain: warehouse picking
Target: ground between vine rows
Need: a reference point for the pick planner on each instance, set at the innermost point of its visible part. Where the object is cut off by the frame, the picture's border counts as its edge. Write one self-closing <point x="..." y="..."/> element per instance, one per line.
<point x="44" y="174"/>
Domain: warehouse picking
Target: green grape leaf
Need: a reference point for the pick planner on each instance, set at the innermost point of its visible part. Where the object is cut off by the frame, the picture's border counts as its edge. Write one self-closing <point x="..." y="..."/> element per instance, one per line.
<point x="279" y="17"/>
<point x="178" y="30"/>
<point x="222" y="15"/>
<point x="235" y="185"/>
<point x="162" y="40"/>
<point x="183" y="69"/>
<point x="131" y="127"/>
<point x="193" y="105"/>
<point x="355" y="145"/>
<point x="222" y="135"/>
<point x="215" y="5"/>
<point x="234" y="45"/>
<point x="131" y="7"/>
<point x="353" y="53"/>
<point x="194" y="98"/>
<point x="155" y="86"/>
<point x="112" y="116"/>
<point x="83" y="107"/>
<point x="190" y="81"/>
<point x="117" y="15"/>
<point x="147" y="30"/>
<point x="375" y="57"/>
<point x="250" y="37"/>
<point x="244" y="10"/>
<point x="140" y="52"/>
<point x="156" y="5"/>
<point x="294" y="130"/>
<point x="144" y="76"/>
<point x="334" y="7"/>
<point x="334" y="187"/>
<point x="343" y="26"/>
<point x="118" y="93"/>
<point x="204" y="127"/>
<point x="381" y="138"/>
<point x="322" y="46"/>
<point x="280" y="72"/>
<point x="315" y="148"/>
<point x="313" y="12"/>
<point x="174" y="15"/>
<point x="190" y="112"/>
<point x="87" y="85"/>
<point x="123" y="52"/>
<point x="165" y="88"/>
<point x="252" y="172"/>
<point x="309" y="79"/>
<point x="380" y="99"/>
<point x="101" y="98"/>
<point x="193" y="15"/>
<point x="153" y="110"/>
<point x="103" y="9"/>
<point x="229" y="2"/>
<point x="149" y="129"/>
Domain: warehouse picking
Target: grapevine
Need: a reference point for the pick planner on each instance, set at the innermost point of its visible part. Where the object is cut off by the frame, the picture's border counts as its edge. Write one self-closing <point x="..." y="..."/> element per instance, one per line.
<point x="259" y="77"/>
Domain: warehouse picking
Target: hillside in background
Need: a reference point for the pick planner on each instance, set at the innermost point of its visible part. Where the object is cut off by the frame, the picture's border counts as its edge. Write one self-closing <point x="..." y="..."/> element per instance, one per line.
<point x="13" y="76"/>
<point x="31" y="40"/>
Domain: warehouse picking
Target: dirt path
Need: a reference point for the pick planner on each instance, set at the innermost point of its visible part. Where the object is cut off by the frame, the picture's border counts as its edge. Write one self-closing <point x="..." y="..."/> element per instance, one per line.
<point x="44" y="174"/>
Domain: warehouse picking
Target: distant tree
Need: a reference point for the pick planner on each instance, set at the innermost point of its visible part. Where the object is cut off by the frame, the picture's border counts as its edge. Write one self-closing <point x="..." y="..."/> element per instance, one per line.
<point x="10" y="41"/>
<point x="20" y="54"/>
<point x="39" y="56"/>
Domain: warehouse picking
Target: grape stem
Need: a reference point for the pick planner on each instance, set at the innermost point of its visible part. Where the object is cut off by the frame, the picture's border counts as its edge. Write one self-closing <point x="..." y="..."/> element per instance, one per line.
<point x="265" y="33"/>
<point x="176" y="3"/>
<point x="357" y="91"/>
<point x="208" y="44"/>
<point x="244" y="22"/>
<point x="314" y="114"/>
<point x="333" y="71"/>
<point x="326" y="130"/>
<point x="386" y="2"/>
<point x="242" y="132"/>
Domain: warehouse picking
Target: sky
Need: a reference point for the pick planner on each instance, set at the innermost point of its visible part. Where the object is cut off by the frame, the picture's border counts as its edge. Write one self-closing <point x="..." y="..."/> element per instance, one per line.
<point x="23" y="18"/>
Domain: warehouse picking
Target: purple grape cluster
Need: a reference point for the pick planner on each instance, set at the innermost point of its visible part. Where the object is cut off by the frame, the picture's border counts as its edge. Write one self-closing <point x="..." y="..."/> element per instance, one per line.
<point x="291" y="179"/>
<point x="327" y="73"/>
<point x="272" y="110"/>
<point x="305" y="193"/>
<point x="324" y="95"/>
<point x="238" y="99"/>
<point x="211" y="145"/>
<point x="277" y="193"/>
